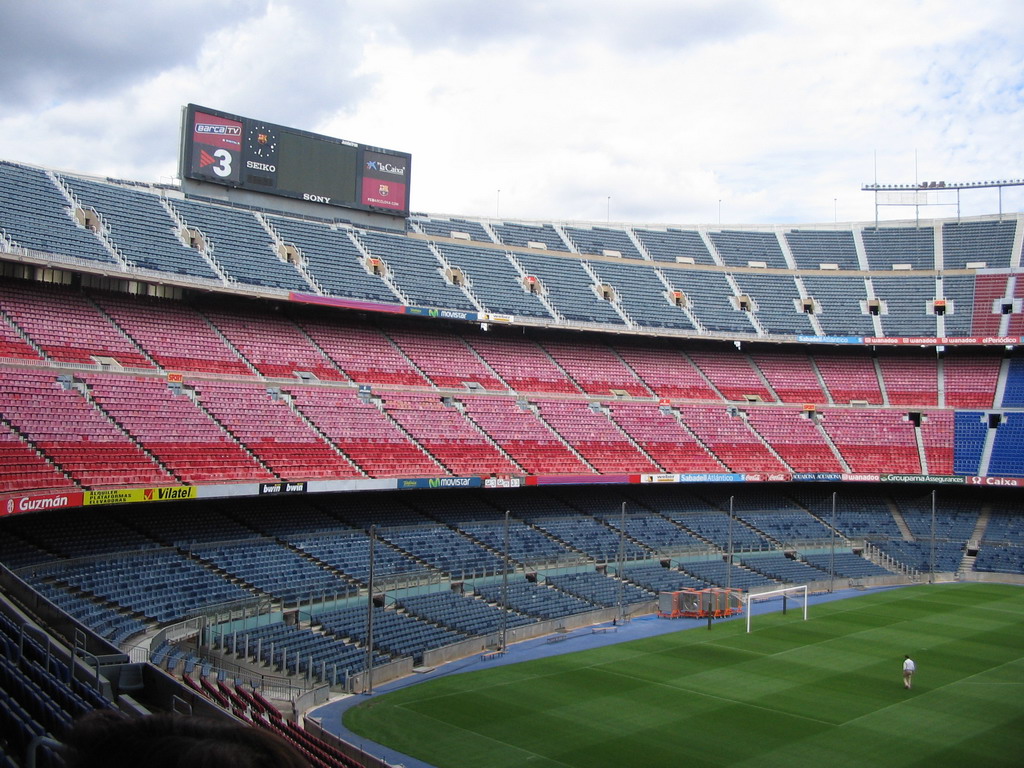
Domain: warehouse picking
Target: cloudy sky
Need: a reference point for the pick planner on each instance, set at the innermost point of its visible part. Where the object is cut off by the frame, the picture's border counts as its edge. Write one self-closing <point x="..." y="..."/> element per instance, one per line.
<point x="655" y="111"/>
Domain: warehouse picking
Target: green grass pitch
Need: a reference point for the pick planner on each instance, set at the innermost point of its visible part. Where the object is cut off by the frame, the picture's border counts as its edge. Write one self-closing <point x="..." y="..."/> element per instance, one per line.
<point x="825" y="692"/>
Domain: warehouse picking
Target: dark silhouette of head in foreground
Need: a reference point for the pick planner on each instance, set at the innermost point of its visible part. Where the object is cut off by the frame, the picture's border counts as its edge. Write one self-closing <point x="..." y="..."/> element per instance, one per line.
<point x="107" y="739"/>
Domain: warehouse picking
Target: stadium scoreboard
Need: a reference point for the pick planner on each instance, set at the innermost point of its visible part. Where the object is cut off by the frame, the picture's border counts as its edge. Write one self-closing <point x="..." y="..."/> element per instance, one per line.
<point x="240" y="152"/>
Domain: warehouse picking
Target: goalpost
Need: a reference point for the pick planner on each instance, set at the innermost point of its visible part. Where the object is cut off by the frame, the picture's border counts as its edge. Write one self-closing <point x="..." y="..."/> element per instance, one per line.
<point x="784" y="592"/>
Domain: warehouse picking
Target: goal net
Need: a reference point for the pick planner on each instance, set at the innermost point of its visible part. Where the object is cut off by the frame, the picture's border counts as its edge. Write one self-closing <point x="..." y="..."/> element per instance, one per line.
<point x="784" y="594"/>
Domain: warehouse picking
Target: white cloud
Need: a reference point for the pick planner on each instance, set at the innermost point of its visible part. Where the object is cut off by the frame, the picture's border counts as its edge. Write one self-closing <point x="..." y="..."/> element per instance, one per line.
<point x="780" y="110"/>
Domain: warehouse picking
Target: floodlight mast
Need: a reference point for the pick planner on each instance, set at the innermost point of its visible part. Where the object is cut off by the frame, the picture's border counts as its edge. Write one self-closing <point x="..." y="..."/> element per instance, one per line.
<point x="728" y="565"/>
<point x="621" y="564"/>
<point x="369" y="614"/>
<point x="832" y="551"/>
<point x="931" y="559"/>
<point x="916" y="194"/>
<point x="504" y="591"/>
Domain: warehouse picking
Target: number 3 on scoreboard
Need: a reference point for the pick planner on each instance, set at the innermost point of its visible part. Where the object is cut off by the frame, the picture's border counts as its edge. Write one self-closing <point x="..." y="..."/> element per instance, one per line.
<point x="223" y="167"/>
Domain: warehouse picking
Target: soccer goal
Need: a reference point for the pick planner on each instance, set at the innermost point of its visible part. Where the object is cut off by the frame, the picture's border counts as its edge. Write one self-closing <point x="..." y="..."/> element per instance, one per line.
<point x="785" y="593"/>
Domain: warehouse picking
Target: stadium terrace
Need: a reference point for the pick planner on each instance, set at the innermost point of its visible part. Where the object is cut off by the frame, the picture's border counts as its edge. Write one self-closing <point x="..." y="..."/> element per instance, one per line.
<point x="261" y="451"/>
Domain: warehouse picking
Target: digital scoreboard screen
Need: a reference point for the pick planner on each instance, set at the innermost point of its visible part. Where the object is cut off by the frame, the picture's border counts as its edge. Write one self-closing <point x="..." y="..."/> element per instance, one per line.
<point x="248" y="154"/>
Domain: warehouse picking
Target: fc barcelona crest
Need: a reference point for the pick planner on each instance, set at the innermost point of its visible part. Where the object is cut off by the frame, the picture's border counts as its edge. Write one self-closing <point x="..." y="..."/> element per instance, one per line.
<point x="383" y="190"/>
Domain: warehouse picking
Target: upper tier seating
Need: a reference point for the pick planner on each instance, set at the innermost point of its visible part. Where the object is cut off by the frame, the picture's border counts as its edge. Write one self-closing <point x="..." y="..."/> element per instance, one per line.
<point x="906" y="302"/>
<point x="888" y="246"/>
<point x="643" y="297"/>
<point x="959" y="293"/>
<point x="142" y="230"/>
<point x="415" y="270"/>
<point x="989" y="291"/>
<point x="672" y="245"/>
<point x="569" y="289"/>
<point x="35" y="215"/>
<point x="448" y="227"/>
<point x="240" y="246"/>
<point x="989" y="243"/>
<point x="812" y="248"/>
<point x="841" y="305"/>
<point x="598" y="241"/>
<point x="521" y="235"/>
<point x="708" y="295"/>
<point x="333" y="260"/>
<point x="740" y="248"/>
<point x="777" y="301"/>
<point x="131" y="228"/>
<point x="494" y="281"/>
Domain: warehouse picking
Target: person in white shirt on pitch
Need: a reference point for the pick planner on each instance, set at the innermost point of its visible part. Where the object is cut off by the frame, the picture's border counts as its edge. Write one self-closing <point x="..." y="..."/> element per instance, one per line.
<point x="908" y="672"/>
